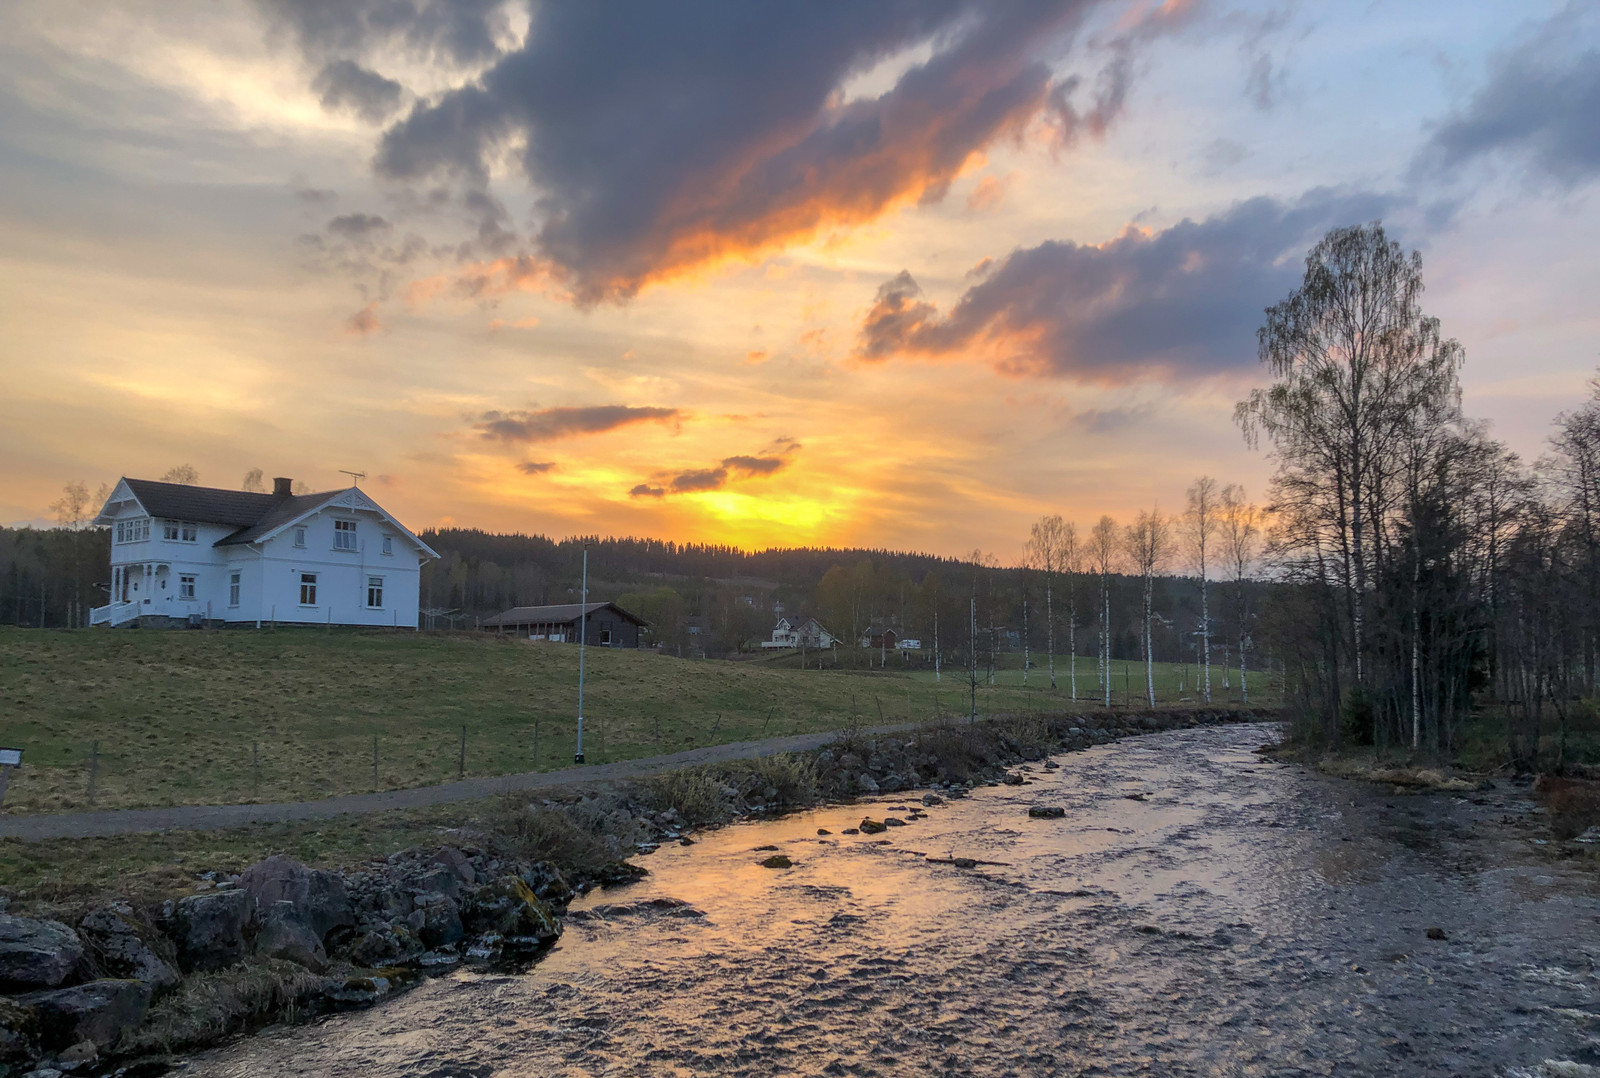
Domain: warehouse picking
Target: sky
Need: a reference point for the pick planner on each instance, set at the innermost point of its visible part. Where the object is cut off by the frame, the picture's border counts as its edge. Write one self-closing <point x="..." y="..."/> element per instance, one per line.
<point x="901" y="275"/>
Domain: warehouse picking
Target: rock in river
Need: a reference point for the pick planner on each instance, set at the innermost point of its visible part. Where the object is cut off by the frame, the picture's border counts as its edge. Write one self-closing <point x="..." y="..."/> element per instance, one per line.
<point x="870" y="826"/>
<point x="1047" y="812"/>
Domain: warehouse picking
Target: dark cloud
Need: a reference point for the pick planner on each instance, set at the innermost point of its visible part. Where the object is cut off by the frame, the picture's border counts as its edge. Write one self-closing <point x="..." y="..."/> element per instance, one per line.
<point x="663" y="137"/>
<point x="1109" y="420"/>
<point x="456" y="32"/>
<point x="552" y="424"/>
<point x="754" y="465"/>
<point x="315" y="196"/>
<point x="702" y="479"/>
<point x="536" y="467"/>
<point x="1186" y="300"/>
<point x="1541" y="103"/>
<point x="346" y="85"/>
<point x="358" y="227"/>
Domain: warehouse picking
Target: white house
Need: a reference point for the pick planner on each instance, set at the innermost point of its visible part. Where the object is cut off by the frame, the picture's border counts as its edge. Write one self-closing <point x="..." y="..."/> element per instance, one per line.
<point x="794" y="633"/>
<point x="190" y="554"/>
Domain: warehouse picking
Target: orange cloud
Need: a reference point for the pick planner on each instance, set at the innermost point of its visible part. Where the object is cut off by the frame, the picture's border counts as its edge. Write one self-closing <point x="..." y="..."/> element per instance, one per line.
<point x="988" y="193"/>
<point x="364" y="321"/>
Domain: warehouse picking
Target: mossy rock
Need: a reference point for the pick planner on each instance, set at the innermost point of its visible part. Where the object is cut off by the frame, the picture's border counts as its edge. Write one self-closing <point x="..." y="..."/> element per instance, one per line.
<point x="870" y="826"/>
<point x="777" y="860"/>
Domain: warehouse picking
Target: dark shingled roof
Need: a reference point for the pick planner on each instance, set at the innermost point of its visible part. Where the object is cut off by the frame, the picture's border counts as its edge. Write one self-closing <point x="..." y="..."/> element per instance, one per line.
<point x="254" y="514"/>
<point x="551" y="615"/>
<point x="205" y="505"/>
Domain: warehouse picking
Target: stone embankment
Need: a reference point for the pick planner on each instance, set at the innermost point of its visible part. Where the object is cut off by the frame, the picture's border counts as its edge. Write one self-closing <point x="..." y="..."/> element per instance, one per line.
<point x="109" y="986"/>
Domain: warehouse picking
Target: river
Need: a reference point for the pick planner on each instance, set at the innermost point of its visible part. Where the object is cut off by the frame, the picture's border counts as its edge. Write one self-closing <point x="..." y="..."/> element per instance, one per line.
<point x="1198" y="911"/>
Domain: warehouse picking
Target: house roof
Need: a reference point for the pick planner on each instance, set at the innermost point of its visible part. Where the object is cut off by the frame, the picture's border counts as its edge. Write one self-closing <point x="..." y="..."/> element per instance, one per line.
<point x="206" y="505"/>
<point x="558" y="614"/>
<point x="281" y="512"/>
<point x="257" y="516"/>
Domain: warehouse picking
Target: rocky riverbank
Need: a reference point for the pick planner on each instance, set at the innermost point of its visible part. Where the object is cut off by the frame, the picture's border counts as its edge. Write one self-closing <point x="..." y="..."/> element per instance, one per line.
<point x="115" y="987"/>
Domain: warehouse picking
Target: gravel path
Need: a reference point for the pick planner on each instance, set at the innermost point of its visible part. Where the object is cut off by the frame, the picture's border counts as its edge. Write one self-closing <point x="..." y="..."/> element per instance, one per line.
<point x="218" y="817"/>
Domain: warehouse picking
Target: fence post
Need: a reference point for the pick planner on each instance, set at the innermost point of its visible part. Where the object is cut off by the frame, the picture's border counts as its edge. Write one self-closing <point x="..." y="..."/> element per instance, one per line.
<point x="374" y="763"/>
<point x="461" y="766"/>
<point x="255" y="764"/>
<point x="94" y="768"/>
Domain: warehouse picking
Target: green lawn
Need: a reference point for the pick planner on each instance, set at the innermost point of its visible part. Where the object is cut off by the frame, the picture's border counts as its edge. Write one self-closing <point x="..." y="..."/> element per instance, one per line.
<point x="187" y="717"/>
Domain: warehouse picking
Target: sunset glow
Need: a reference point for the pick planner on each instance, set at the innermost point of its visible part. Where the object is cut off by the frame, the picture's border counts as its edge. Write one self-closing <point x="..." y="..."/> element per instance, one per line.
<point x="852" y="276"/>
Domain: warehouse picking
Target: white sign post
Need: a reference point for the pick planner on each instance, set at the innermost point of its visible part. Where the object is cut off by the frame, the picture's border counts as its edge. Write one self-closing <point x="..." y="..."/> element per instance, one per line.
<point x="9" y="758"/>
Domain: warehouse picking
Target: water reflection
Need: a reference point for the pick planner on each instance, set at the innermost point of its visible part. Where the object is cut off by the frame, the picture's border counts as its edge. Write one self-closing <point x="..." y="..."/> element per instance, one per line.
<point x="1236" y="918"/>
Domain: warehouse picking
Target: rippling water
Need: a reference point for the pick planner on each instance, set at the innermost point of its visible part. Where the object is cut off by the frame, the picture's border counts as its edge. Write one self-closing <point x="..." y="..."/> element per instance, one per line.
<point x="1244" y="918"/>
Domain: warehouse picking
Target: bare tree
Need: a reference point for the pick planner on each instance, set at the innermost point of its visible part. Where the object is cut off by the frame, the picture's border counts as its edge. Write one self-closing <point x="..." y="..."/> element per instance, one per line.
<point x="1199" y="524"/>
<point x="1148" y="541"/>
<point x="1104" y="548"/>
<point x="254" y="481"/>
<point x="1239" y="522"/>
<point x="182" y="473"/>
<point x="1071" y="565"/>
<point x="1043" y="552"/>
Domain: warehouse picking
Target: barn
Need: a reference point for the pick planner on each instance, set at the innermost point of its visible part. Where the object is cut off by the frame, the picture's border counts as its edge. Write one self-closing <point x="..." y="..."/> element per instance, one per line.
<point x="607" y="624"/>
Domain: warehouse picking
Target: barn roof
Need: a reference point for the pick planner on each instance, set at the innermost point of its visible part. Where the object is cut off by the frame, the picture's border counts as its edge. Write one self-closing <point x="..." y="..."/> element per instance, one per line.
<point x="558" y="614"/>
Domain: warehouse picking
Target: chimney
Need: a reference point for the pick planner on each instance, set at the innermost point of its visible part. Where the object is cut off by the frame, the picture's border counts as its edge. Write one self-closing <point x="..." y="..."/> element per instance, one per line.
<point x="282" y="487"/>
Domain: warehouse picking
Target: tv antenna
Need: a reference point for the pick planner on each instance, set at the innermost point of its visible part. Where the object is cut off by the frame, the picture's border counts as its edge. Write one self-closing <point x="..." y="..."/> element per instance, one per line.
<point x="355" y="477"/>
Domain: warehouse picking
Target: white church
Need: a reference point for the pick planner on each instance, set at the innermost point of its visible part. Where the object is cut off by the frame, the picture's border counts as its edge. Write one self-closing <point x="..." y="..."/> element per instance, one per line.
<point x="193" y="555"/>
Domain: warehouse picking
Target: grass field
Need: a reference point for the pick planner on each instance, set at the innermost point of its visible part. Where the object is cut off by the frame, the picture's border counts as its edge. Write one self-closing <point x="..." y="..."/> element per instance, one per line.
<point x="292" y="714"/>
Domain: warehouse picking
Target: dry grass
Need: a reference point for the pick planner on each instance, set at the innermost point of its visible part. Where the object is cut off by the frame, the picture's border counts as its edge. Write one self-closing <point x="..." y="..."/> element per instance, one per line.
<point x="208" y="1006"/>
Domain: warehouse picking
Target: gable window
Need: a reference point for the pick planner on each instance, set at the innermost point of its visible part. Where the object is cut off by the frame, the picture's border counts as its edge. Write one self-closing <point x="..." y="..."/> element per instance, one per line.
<point x="299" y="537"/>
<point x="344" y="535"/>
<point x="388" y="544"/>
<point x="233" y="589"/>
<point x="375" y="592"/>
<point x="186" y="587"/>
<point x="133" y="531"/>
<point x="308" y="589"/>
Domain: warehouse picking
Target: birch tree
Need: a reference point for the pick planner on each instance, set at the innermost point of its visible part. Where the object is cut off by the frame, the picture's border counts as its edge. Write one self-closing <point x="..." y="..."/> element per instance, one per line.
<point x="1104" y="549"/>
<point x="1239" y="524"/>
<point x="1044" y="551"/>
<point x="1148" y="542"/>
<point x="1199" y="524"/>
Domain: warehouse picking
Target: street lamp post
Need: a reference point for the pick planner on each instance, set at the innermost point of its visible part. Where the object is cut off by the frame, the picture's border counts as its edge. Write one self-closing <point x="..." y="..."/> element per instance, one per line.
<point x="583" y="632"/>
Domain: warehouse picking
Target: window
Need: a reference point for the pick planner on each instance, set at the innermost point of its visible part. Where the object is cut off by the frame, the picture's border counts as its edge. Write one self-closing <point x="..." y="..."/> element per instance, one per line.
<point x="133" y="531"/>
<point x="177" y="531"/>
<point x="605" y="637"/>
<point x="375" y="591"/>
<point x="186" y="587"/>
<point x="344" y="535"/>
<point x="299" y="537"/>
<point x="169" y="529"/>
<point x="308" y="589"/>
<point x="189" y="531"/>
<point x="233" y="589"/>
<point x="388" y="544"/>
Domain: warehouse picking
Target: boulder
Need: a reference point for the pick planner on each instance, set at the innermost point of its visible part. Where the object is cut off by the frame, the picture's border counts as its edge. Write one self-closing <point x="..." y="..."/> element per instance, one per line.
<point x="508" y="907"/>
<point x="456" y="863"/>
<point x="19" y="1032"/>
<point x="36" y="953"/>
<point x="319" y="897"/>
<point x="209" y="929"/>
<point x="1047" y="812"/>
<point x="284" y="934"/>
<point x="386" y="945"/>
<point x="121" y="947"/>
<point x="441" y="919"/>
<point x="866" y="783"/>
<point x="870" y="826"/>
<point x="777" y="860"/>
<point x="97" y="1011"/>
